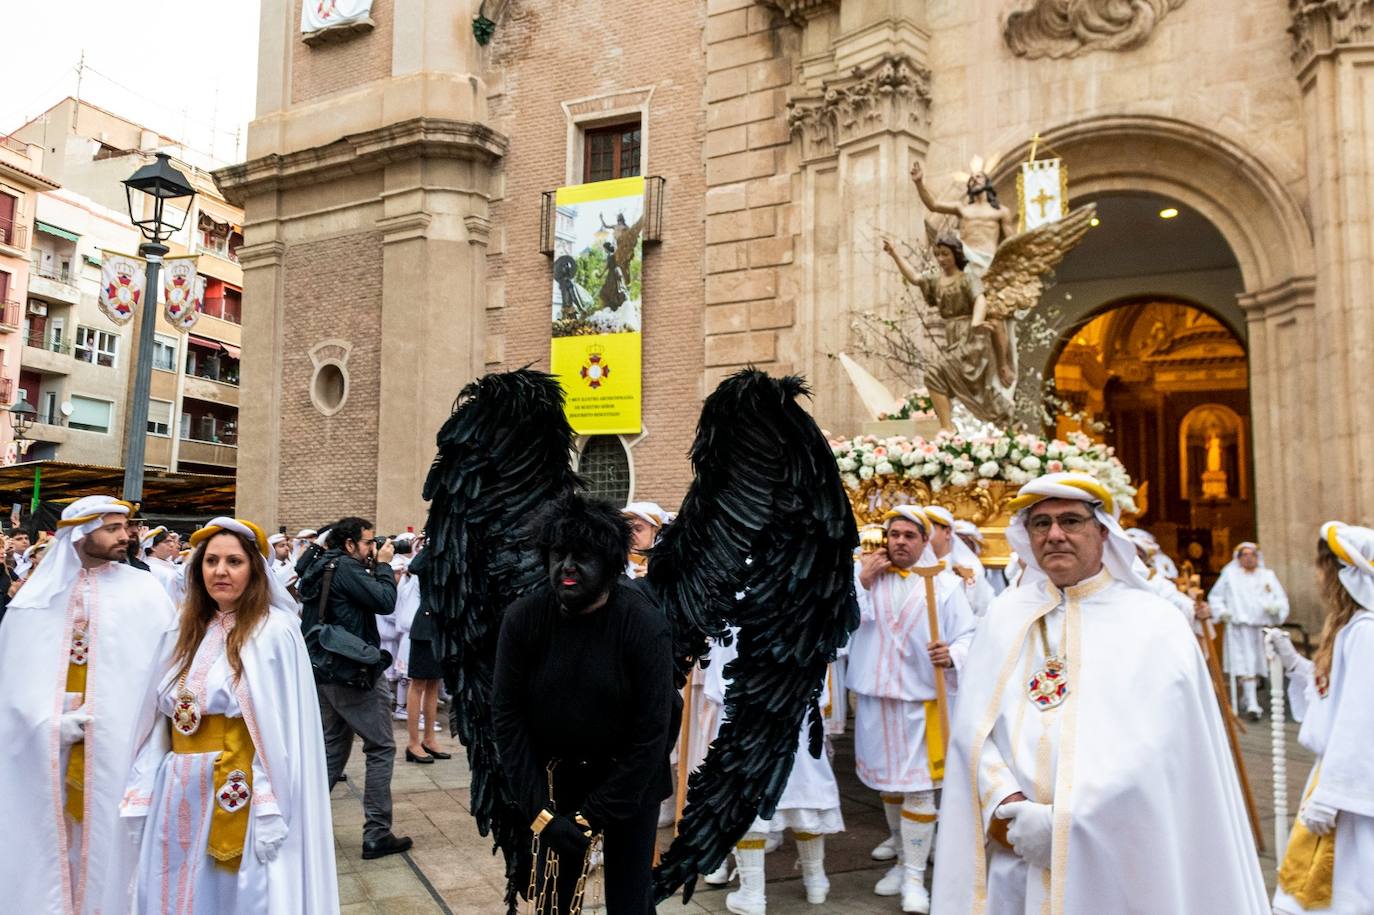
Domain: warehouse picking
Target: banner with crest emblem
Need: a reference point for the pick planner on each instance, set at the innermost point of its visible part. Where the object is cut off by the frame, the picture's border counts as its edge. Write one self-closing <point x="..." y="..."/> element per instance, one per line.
<point x="122" y="281"/>
<point x="183" y="291"/>
<point x="597" y="304"/>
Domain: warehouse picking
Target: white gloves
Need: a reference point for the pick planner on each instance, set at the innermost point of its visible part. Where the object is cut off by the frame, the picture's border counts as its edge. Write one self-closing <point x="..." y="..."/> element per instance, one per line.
<point x="72" y="726"/>
<point x="1319" y="818"/>
<point x="1031" y="832"/>
<point x="269" y="832"/>
<point x="133" y="826"/>
<point x="1283" y="647"/>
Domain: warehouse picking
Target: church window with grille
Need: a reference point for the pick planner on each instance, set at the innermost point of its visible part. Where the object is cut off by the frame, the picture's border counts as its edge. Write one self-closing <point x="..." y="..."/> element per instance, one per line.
<point x="606" y="465"/>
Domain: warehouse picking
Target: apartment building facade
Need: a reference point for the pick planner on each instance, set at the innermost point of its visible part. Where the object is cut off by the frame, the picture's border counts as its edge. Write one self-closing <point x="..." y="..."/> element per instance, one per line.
<point x="77" y="368"/>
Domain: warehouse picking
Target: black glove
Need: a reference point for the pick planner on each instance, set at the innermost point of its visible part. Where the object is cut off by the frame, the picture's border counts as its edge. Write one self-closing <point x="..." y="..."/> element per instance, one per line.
<point x="568" y="840"/>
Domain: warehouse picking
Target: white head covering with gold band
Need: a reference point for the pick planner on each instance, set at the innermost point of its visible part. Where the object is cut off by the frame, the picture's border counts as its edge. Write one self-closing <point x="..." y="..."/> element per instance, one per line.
<point x="61" y="564"/>
<point x="913" y="513"/>
<point x="145" y="542"/>
<point x="969" y="529"/>
<point x="1354" y="547"/>
<point x="649" y="512"/>
<point x="959" y="552"/>
<point x="278" y="596"/>
<point x="276" y="539"/>
<point x="1118" y="553"/>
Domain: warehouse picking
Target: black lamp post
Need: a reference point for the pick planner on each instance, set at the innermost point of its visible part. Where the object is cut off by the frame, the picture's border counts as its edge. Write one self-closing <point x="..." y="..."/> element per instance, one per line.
<point x="161" y="183"/>
<point x="22" y="416"/>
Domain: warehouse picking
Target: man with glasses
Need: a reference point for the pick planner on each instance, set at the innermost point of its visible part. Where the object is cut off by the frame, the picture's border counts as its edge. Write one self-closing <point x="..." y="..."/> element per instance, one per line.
<point x="1088" y="770"/>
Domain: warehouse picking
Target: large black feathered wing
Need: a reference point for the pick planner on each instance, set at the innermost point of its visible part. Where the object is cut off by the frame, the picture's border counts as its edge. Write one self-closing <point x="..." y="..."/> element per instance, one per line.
<point x="503" y="453"/>
<point x="764" y="541"/>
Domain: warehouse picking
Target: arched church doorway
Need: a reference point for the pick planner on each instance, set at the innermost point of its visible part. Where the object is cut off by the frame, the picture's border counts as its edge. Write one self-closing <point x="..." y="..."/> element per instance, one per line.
<point x="1151" y="358"/>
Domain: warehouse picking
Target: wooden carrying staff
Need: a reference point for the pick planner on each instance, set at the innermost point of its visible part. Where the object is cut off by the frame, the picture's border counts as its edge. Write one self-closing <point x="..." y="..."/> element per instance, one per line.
<point x="933" y="623"/>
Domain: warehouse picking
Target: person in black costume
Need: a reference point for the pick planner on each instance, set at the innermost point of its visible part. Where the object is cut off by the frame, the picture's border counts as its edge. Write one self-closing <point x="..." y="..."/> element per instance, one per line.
<point x="583" y="700"/>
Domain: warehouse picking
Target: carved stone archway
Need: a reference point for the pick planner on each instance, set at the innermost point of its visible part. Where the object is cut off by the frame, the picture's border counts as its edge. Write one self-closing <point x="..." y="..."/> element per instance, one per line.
<point x="1237" y="191"/>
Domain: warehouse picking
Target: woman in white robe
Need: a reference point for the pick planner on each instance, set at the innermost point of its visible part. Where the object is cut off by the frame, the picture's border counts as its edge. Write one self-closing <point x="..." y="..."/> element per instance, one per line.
<point x="1329" y="865"/>
<point x="234" y="785"/>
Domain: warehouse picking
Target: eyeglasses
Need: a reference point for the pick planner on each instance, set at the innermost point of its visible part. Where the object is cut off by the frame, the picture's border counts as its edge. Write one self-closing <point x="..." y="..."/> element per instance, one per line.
<point x="1040" y="525"/>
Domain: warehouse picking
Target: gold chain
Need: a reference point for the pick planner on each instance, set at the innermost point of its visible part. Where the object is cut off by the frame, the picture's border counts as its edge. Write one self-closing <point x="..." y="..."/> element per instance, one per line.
<point x="537" y="895"/>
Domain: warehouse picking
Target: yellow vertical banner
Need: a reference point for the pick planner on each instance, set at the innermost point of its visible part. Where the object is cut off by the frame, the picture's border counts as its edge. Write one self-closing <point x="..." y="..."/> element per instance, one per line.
<point x="597" y="304"/>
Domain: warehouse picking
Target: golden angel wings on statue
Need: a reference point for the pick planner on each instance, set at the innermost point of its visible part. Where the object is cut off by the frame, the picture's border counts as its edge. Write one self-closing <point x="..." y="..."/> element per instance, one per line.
<point x="977" y="365"/>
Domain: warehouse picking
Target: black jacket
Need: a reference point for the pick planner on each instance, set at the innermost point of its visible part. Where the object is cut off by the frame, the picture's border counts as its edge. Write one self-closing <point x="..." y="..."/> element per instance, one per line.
<point x="356" y="596"/>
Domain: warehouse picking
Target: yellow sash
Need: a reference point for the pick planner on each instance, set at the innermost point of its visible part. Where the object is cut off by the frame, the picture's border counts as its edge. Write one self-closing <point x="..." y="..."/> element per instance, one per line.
<point x="75" y="803"/>
<point x="935" y="738"/>
<point x="1309" y="863"/>
<point x="230" y="738"/>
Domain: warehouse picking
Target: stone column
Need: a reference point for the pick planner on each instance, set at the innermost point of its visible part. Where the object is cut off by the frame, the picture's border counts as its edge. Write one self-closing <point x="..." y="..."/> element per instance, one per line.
<point x="860" y="118"/>
<point x="260" y="374"/>
<point x="433" y="318"/>
<point x="1334" y="58"/>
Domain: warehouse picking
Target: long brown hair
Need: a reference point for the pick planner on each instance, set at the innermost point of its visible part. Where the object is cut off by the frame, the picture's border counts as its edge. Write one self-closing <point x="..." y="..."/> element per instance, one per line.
<point x="1340" y="609"/>
<point x="200" y="608"/>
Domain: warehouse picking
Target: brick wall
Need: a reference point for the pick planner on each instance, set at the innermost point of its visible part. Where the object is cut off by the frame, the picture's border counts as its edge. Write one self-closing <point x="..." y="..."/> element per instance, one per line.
<point x="333" y="66"/>
<point x="545" y="54"/>
<point x="332" y="290"/>
<point x="751" y="221"/>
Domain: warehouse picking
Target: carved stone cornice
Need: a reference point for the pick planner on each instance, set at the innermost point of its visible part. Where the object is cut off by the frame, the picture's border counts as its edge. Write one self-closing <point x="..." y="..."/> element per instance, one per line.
<point x="893" y="94"/>
<point x="1061" y="28"/>
<point x="1319" y="26"/>
<point x="798" y="11"/>
<point x="423" y="137"/>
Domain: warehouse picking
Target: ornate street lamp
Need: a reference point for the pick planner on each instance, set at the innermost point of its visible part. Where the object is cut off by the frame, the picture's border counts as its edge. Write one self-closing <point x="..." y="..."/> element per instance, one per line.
<point x="22" y="416"/>
<point x="161" y="183"/>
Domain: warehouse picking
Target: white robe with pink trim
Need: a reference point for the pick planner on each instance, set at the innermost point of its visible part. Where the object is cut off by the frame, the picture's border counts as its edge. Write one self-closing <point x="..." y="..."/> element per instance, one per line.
<point x="277" y="698"/>
<point x="890" y="671"/>
<point x="50" y="865"/>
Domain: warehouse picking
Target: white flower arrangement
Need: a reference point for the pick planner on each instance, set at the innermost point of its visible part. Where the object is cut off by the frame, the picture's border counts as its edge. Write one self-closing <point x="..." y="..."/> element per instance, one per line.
<point x="951" y="460"/>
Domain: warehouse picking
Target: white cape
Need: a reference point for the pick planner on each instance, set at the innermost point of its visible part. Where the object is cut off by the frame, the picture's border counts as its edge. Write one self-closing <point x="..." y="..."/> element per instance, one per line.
<point x="132" y="635"/>
<point x="282" y="712"/>
<point x="1148" y="816"/>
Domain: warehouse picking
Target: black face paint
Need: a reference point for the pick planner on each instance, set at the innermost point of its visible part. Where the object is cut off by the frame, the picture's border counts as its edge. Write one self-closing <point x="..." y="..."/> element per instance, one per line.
<point x="577" y="579"/>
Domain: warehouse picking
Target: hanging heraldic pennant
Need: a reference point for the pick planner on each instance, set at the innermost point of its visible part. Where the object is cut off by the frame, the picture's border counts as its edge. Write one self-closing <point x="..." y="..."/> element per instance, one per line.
<point x="183" y="292"/>
<point x="597" y="305"/>
<point x="122" y="279"/>
<point x="1042" y="189"/>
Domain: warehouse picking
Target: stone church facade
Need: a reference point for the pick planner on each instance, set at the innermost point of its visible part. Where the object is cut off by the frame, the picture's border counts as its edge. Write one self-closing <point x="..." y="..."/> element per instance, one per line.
<point x="395" y="173"/>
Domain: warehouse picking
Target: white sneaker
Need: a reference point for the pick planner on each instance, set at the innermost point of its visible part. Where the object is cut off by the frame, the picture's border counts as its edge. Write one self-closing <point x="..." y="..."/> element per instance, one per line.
<point x="915" y="898"/>
<point x="773" y="843"/>
<point x="399" y="714"/>
<point x="885" y="850"/>
<point x="722" y="875"/>
<point x="438" y="727"/>
<point x="891" y="884"/>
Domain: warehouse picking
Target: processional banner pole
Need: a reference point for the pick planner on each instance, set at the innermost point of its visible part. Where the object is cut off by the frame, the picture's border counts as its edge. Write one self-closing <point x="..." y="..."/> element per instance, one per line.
<point x="1228" y="716"/>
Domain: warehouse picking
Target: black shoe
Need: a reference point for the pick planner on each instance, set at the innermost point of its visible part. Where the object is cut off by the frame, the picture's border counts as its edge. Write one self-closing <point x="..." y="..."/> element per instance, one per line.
<point x="423" y="760"/>
<point x="386" y="845"/>
<point x="343" y="776"/>
<point x="436" y="754"/>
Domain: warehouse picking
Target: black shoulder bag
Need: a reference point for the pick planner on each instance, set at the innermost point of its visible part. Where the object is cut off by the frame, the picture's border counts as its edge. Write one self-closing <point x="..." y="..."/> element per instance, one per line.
<point x="337" y="655"/>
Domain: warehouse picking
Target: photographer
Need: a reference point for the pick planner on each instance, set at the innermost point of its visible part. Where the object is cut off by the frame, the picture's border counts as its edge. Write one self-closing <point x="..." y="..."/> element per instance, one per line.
<point x="345" y="584"/>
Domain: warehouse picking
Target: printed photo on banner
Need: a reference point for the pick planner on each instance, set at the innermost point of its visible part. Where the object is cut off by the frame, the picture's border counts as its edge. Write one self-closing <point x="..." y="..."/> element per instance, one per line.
<point x="597" y="304"/>
<point x="598" y="259"/>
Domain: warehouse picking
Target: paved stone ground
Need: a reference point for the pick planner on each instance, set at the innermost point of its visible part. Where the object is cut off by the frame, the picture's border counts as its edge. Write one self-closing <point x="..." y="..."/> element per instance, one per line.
<point x="451" y="870"/>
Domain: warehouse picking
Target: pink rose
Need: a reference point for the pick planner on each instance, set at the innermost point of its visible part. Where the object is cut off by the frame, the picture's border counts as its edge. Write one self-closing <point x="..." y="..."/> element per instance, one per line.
<point x="1055" y="467"/>
<point x="1038" y="448"/>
